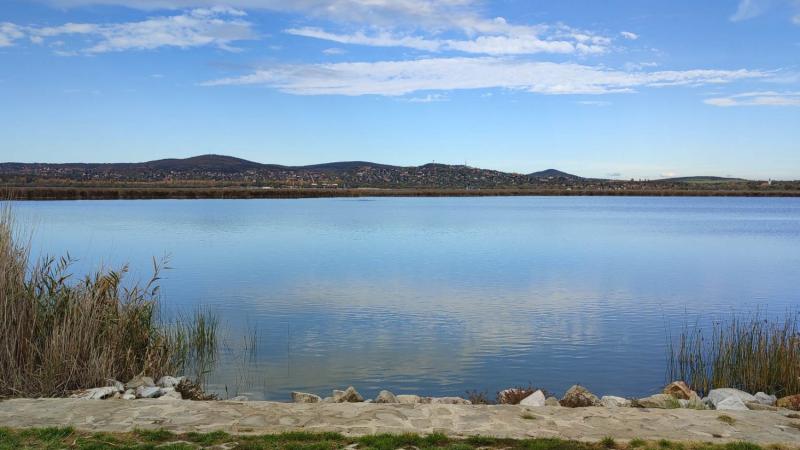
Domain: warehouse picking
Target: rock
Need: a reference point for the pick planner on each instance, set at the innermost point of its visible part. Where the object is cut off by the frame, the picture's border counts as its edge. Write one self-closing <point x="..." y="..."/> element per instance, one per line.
<point x="449" y="401"/>
<point x="719" y="395"/>
<point x="756" y="406"/>
<point x="551" y="401"/>
<point x="731" y="403"/>
<point x="127" y="396"/>
<point x="168" y="381"/>
<point x="120" y="387"/>
<point x="536" y="399"/>
<point x="766" y="399"/>
<point x="695" y="402"/>
<point x="328" y="400"/>
<point x="409" y="399"/>
<point x="97" y="393"/>
<point x="148" y="392"/>
<point x="578" y="397"/>
<point x="238" y="398"/>
<point x="169" y="394"/>
<point x="678" y="389"/>
<point x="790" y="402"/>
<point x="386" y="397"/>
<point x="303" y="397"/>
<point x="136" y="382"/>
<point x="610" y="401"/>
<point x="659" y="401"/>
<point x="349" y="395"/>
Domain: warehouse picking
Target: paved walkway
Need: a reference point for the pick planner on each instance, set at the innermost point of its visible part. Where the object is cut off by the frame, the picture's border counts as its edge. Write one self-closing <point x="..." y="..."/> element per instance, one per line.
<point x="764" y="427"/>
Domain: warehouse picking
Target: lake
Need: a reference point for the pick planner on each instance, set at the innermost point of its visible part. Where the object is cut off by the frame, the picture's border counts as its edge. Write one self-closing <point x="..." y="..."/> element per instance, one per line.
<point x="436" y="296"/>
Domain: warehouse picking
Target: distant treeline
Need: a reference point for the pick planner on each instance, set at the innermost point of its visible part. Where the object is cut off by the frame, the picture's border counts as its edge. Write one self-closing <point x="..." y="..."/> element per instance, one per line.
<point x="100" y="193"/>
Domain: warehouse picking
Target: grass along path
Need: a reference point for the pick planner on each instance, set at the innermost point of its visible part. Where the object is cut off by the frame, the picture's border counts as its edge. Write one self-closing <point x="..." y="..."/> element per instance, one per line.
<point x="69" y="438"/>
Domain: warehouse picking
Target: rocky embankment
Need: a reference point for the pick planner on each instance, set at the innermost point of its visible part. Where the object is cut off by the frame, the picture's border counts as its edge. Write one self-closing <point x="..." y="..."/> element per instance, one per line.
<point x="676" y="395"/>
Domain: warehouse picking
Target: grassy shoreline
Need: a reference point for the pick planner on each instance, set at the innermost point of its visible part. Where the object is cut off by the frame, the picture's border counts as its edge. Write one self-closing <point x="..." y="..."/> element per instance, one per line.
<point x="153" y="193"/>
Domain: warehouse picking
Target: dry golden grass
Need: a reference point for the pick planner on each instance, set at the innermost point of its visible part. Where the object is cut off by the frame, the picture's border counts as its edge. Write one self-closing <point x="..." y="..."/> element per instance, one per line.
<point x="59" y="335"/>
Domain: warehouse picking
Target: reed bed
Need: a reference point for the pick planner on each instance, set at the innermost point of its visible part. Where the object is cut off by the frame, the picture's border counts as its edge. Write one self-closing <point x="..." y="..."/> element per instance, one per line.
<point x="58" y="335"/>
<point x="748" y="353"/>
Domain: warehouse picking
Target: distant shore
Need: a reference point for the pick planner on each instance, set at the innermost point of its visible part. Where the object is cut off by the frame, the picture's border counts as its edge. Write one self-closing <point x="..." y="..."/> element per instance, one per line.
<point x="153" y="193"/>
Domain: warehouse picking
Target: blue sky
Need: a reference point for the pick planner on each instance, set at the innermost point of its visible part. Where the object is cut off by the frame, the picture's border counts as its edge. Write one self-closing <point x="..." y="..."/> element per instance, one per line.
<point x="638" y="88"/>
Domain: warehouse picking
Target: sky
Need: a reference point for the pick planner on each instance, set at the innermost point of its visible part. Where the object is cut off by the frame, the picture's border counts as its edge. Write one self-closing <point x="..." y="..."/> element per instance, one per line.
<point x="613" y="89"/>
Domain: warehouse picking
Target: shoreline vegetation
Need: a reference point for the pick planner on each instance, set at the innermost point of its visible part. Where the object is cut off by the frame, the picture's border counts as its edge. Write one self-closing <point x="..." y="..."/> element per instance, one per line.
<point x="61" y="334"/>
<point x="188" y="193"/>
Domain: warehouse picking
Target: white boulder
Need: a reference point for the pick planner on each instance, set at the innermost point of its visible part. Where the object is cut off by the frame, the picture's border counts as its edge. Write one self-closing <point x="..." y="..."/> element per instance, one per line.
<point x="717" y="396"/>
<point x="732" y="403"/>
<point x="536" y="399"/>
<point x="611" y="401"/>
<point x="766" y="399"/>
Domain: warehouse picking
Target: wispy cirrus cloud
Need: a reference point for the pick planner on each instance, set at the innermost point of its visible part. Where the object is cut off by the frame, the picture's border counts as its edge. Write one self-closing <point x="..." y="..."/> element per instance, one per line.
<point x="397" y="78"/>
<point x="10" y="33"/>
<point x="762" y="98"/>
<point x="519" y="44"/>
<point x="218" y="27"/>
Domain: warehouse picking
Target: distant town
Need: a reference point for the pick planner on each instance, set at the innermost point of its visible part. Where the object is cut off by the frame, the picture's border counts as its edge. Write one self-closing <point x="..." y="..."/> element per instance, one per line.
<point x="45" y="180"/>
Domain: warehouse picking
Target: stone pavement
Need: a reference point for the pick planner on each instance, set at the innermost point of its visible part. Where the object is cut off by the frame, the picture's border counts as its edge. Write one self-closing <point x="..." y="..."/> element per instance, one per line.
<point x="763" y="427"/>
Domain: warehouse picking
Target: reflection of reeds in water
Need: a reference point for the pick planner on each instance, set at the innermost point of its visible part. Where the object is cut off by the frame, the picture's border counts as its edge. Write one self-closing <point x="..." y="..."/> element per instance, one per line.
<point x="59" y="335"/>
<point x="750" y="353"/>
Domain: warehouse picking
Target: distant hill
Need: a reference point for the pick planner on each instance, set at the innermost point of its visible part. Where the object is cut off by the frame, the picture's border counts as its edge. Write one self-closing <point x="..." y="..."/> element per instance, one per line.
<point x="345" y="165"/>
<point x="703" y="179"/>
<point x="203" y="162"/>
<point x="553" y="173"/>
<point x="233" y="171"/>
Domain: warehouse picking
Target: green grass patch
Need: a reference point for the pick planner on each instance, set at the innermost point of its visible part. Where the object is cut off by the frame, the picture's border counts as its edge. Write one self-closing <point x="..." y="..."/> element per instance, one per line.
<point x="68" y="438"/>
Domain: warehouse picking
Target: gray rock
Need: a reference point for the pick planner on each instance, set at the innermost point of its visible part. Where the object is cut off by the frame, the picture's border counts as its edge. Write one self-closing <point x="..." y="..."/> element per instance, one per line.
<point x="578" y="397"/>
<point x="238" y="398"/>
<point x="719" y="395"/>
<point x="551" y="401"/>
<point x="136" y="382"/>
<point x="536" y="399"/>
<point x="386" y="397"/>
<point x="303" y="397"/>
<point x="148" y="392"/>
<point x="127" y="396"/>
<point x="449" y="401"/>
<point x="349" y="395"/>
<point x="766" y="399"/>
<point x="731" y="403"/>
<point x="756" y="406"/>
<point x="97" y="393"/>
<point x="169" y="394"/>
<point x="659" y="401"/>
<point x="120" y="387"/>
<point x="168" y="381"/>
<point x="409" y="399"/>
<point x="611" y="401"/>
<point x="328" y="400"/>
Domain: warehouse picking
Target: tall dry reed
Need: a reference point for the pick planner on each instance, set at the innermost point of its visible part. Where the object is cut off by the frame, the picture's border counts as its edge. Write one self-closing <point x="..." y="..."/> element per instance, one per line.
<point x="747" y="353"/>
<point x="58" y="334"/>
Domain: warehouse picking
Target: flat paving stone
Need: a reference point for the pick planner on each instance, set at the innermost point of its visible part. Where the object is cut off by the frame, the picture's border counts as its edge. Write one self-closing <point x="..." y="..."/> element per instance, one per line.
<point x="588" y="424"/>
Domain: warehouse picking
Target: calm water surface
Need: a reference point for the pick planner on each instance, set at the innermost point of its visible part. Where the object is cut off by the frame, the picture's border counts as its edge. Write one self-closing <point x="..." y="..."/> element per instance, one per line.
<point x="439" y="295"/>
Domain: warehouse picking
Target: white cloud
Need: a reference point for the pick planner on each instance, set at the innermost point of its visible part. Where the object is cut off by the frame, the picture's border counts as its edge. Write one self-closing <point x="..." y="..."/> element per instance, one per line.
<point x="748" y="9"/>
<point x="430" y="98"/>
<point x="593" y="103"/>
<point x="398" y="23"/>
<point x="765" y="98"/>
<point x="629" y="35"/>
<point x="669" y="174"/>
<point x="497" y="38"/>
<point x="217" y="26"/>
<point x="9" y="33"/>
<point x="334" y="51"/>
<point x="396" y="78"/>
